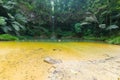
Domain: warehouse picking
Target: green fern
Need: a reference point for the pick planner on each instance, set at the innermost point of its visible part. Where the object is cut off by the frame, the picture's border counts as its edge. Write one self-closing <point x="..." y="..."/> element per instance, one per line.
<point x="2" y="21"/>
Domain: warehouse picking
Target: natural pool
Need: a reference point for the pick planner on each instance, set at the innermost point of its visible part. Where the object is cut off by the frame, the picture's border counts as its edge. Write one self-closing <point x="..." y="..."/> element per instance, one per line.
<point x="25" y="60"/>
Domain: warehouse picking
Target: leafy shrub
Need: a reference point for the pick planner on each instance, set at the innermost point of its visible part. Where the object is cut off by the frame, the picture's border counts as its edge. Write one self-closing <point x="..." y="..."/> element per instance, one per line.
<point x="85" y="29"/>
<point x="1" y="1"/>
<point x="112" y="27"/>
<point x="78" y="27"/>
<point x="94" y="38"/>
<point x="2" y="21"/>
<point x="115" y="40"/>
<point x="11" y="20"/>
<point x="68" y="33"/>
<point x="7" y="37"/>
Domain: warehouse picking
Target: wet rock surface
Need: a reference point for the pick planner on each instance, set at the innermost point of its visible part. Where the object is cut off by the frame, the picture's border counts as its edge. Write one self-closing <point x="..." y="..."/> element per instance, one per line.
<point x="104" y="69"/>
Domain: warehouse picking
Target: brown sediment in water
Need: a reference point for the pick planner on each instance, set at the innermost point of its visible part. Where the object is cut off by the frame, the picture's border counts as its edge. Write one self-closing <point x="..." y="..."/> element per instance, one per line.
<point x="25" y="60"/>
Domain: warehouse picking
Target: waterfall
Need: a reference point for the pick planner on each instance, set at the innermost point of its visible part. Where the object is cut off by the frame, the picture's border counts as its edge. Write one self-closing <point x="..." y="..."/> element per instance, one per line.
<point x="53" y="19"/>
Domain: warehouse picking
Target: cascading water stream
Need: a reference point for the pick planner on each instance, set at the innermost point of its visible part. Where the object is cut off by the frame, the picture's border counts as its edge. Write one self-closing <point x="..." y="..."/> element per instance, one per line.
<point x="53" y="19"/>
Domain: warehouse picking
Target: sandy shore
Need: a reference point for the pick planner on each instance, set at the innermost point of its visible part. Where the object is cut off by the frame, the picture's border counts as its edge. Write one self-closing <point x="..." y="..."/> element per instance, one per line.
<point x="103" y="69"/>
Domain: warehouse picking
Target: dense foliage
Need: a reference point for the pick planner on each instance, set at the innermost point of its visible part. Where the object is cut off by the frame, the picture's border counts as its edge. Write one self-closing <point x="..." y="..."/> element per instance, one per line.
<point x="64" y="18"/>
<point x="11" y="21"/>
<point x="7" y="37"/>
<point x="114" y="40"/>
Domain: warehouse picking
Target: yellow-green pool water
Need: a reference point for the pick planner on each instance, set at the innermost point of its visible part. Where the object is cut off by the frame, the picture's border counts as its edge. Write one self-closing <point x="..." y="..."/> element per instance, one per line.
<point x="25" y="60"/>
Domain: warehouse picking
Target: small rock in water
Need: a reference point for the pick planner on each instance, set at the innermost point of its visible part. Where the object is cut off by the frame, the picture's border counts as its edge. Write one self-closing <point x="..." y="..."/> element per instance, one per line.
<point x="56" y="49"/>
<point x="51" y="61"/>
<point x="59" y="40"/>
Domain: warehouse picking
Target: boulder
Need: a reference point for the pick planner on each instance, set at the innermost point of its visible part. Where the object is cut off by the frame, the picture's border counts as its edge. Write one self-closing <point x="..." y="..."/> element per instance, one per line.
<point x="50" y="60"/>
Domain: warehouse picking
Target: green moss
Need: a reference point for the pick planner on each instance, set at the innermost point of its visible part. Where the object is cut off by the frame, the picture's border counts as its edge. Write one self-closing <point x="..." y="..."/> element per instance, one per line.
<point x="8" y="37"/>
<point x="115" y="40"/>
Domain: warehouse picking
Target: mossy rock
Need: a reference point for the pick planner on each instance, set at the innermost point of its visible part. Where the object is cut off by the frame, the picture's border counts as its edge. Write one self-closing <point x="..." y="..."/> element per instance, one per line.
<point x="8" y="37"/>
